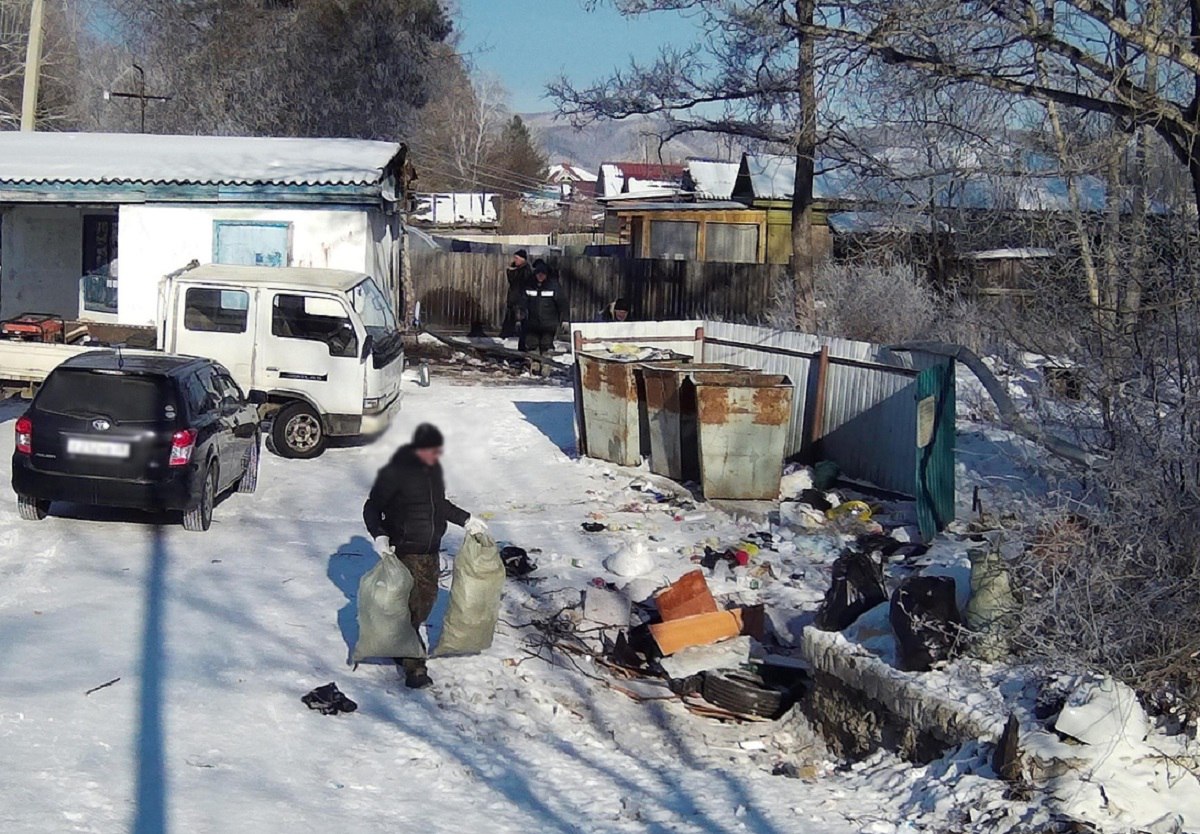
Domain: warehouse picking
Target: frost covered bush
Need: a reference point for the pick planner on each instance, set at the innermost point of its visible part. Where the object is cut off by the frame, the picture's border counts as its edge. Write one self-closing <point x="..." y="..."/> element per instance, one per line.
<point x="873" y="303"/>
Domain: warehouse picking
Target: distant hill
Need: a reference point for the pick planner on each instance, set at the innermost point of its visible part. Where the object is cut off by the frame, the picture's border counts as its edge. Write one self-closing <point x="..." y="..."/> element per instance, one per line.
<point x="627" y="140"/>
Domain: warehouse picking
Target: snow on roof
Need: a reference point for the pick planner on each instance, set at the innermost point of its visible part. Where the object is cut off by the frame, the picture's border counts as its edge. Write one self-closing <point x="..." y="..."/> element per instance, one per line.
<point x="565" y="172"/>
<point x="201" y="160"/>
<point x="710" y="179"/>
<point x="618" y="177"/>
<point x="458" y="209"/>
<point x="1018" y="253"/>
<point x="878" y="222"/>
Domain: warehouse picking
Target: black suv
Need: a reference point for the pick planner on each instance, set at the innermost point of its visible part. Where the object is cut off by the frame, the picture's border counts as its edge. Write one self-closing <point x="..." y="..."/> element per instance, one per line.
<point x="136" y="429"/>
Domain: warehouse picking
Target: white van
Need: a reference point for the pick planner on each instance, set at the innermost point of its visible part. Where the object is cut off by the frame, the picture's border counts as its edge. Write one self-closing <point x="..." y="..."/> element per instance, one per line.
<point x="320" y="347"/>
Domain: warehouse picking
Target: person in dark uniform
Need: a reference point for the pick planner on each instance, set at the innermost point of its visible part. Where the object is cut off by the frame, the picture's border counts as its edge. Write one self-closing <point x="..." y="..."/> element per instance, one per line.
<point x="407" y="511"/>
<point x="519" y="275"/>
<point x="545" y="310"/>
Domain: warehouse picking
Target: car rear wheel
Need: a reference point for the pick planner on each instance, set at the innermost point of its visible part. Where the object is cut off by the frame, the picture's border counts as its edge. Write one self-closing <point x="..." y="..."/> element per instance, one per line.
<point x="199" y="518"/>
<point x="249" y="480"/>
<point x="297" y="432"/>
<point x="31" y="509"/>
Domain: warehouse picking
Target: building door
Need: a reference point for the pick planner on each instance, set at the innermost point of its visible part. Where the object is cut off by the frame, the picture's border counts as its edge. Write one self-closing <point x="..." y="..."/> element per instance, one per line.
<point x="252" y="243"/>
<point x="99" y="263"/>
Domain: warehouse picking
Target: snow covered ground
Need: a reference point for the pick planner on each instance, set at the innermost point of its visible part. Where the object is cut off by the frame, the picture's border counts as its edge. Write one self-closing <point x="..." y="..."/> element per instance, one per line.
<point x="215" y="637"/>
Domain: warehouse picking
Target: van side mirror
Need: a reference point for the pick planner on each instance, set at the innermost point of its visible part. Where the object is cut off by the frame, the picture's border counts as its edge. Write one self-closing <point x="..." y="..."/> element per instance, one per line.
<point x="368" y="346"/>
<point x="257" y="398"/>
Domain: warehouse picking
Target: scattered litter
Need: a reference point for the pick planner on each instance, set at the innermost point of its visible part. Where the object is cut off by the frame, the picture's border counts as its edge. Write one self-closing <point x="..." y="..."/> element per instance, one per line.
<point x="104" y="685"/>
<point x="593" y="527"/>
<point x="857" y="587"/>
<point x="516" y="562"/>
<point x="924" y="616"/>
<point x="1101" y="711"/>
<point x="328" y="700"/>
<point x="697" y="630"/>
<point x="630" y="562"/>
<point x="728" y="654"/>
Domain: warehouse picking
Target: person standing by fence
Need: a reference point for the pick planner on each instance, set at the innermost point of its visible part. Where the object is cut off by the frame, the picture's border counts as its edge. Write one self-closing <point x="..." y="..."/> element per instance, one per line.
<point x="546" y="309"/>
<point x="519" y="276"/>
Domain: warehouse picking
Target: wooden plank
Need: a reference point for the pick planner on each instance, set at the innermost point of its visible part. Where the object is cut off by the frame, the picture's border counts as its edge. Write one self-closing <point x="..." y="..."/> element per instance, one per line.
<point x="687" y="597"/>
<point x="697" y="630"/>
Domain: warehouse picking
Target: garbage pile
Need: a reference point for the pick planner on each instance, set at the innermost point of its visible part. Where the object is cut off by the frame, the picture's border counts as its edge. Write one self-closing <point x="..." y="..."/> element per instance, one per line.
<point x="708" y="655"/>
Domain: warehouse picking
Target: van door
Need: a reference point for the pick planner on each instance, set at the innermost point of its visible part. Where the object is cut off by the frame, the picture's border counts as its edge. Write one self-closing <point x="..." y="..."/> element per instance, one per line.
<point x="313" y="349"/>
<point x="215" y="322"/>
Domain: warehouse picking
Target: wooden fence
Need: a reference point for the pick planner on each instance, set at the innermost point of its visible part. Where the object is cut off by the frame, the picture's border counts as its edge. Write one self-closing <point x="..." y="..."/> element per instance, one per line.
<point x="463" y="289"/>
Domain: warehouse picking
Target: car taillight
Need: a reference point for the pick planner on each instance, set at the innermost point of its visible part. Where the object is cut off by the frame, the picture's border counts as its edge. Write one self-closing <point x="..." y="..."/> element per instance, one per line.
<point x="183" y="443"/>
<point x="25" y="436"/>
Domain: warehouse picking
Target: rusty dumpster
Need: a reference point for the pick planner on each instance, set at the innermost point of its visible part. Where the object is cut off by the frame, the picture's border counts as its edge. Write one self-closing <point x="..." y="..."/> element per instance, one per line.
<point x="743" y="420"/>
<point x="613" y="407"/>
<point x="671" y="417"/>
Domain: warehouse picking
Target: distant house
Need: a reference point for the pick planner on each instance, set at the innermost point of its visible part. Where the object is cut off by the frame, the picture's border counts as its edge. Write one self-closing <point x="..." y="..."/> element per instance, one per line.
<point x="571" y="181"/>
<point x="457" y="210"/>
<point x="638" y="181"/>
<point x="89" y="223"/>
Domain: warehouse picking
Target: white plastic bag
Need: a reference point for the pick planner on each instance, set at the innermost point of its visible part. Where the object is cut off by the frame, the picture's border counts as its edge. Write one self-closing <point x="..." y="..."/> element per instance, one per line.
<point x="384" y="619"/>
<point x="475" y="593"/>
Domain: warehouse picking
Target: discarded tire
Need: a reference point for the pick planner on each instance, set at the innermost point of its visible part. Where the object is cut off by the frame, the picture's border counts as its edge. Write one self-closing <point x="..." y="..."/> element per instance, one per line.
<point x="745" y="693"/>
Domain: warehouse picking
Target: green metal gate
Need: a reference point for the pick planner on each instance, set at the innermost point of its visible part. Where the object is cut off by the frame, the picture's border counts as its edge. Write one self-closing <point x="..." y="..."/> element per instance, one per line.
<point x="935" y="448"/>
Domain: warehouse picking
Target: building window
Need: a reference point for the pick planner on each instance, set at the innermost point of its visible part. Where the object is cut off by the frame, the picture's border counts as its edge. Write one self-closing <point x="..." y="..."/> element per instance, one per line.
<point x="252" y="243"/>
<point x="675" y="239"/>
<point x="313" y="319"/>
<point x="731" y="242"/>
<point x="216" y="311"/>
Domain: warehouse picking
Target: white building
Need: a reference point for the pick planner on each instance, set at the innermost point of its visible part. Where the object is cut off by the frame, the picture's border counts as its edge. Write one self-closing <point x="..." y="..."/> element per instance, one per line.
<point x="89" y="222"/>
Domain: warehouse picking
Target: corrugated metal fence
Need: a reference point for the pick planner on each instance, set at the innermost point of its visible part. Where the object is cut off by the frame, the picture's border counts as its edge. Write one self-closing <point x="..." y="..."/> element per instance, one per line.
<point x="868" y="423"/>
<point x="461" y="289"/>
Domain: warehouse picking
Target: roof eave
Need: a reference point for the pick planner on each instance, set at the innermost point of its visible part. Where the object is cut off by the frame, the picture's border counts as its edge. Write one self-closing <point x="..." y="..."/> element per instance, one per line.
<point x="361" y="194"/>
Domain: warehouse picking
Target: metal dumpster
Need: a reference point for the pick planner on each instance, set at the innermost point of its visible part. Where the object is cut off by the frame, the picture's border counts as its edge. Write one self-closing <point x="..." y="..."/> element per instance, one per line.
<point x="671" y="417"/>
<point x="743" y="421"/>
<point x="613" y="407"/>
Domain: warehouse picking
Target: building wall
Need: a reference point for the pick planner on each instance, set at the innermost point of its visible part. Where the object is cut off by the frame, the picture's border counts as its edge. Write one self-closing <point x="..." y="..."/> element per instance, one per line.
<point x="41" y="260"/>
<point x="157" y="239"/>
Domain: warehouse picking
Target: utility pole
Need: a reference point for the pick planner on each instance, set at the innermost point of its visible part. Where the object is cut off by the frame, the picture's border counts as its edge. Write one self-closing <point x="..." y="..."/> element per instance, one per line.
<point x="139" y="94"/>
<point x="33" y="66"/>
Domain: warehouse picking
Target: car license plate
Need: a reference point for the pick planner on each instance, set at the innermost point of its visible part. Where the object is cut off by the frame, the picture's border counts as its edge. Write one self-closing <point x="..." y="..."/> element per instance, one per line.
<point x="97" y="448"/>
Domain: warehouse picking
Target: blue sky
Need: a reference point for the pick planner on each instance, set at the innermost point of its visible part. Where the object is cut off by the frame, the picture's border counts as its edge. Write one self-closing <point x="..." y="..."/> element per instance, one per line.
<point x="527" y="43"/>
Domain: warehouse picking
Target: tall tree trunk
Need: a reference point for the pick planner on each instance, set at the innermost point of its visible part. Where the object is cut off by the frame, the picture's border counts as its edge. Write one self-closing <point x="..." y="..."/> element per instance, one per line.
<point x="803" y="256"/>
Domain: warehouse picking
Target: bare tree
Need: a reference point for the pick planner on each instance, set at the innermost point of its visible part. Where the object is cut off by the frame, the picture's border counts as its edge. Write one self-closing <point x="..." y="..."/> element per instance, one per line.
<point x="59" y="65"/>
<point x="752" y="74"/>
<point x="1136" y="61"/>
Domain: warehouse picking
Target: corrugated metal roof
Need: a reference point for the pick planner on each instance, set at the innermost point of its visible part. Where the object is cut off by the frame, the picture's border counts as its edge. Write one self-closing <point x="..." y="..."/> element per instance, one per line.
<point x="117" y="158"/>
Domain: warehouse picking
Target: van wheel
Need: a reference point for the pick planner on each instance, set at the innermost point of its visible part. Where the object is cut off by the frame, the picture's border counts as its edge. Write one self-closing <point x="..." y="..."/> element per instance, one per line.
<point x="199" y="518"/>
<point x="297" y="432"/>
<point x="31" y="509"/>
<point x="249" y="480"/>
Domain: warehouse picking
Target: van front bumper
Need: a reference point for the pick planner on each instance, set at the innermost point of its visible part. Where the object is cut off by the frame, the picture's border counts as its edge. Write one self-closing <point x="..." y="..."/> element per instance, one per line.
<point x="377" y="423"/>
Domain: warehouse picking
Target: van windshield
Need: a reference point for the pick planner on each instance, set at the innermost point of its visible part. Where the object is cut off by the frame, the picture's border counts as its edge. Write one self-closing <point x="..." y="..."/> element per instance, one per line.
<point x="370" y="303"/>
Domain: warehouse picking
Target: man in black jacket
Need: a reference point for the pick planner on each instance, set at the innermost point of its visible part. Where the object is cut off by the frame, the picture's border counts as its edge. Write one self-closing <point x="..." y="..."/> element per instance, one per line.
<point x="407" y="510"/>
<point x="545" y="310"/>
<point x="519" y="276"/>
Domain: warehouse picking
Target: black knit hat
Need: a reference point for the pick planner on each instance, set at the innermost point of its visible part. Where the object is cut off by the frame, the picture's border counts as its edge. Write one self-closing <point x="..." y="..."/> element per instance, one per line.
<point x="521" y="253"/>
<point x="427" y="436"/>
<point x="539" y="267"/>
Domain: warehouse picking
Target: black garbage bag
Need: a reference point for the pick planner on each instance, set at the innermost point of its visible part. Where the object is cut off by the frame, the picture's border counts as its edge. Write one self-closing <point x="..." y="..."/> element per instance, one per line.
<point x="328" y="700"/>
<point x="857" y="588"/>
<point x="516" y="561"/>
<point x="926" y="620"/>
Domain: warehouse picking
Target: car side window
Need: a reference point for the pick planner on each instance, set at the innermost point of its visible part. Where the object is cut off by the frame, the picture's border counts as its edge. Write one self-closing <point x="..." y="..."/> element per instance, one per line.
<point x="231" y="392"/>
<point x="291" y="319"/>
<point x="215" y="310"/>
<point x="199" y="398"/>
